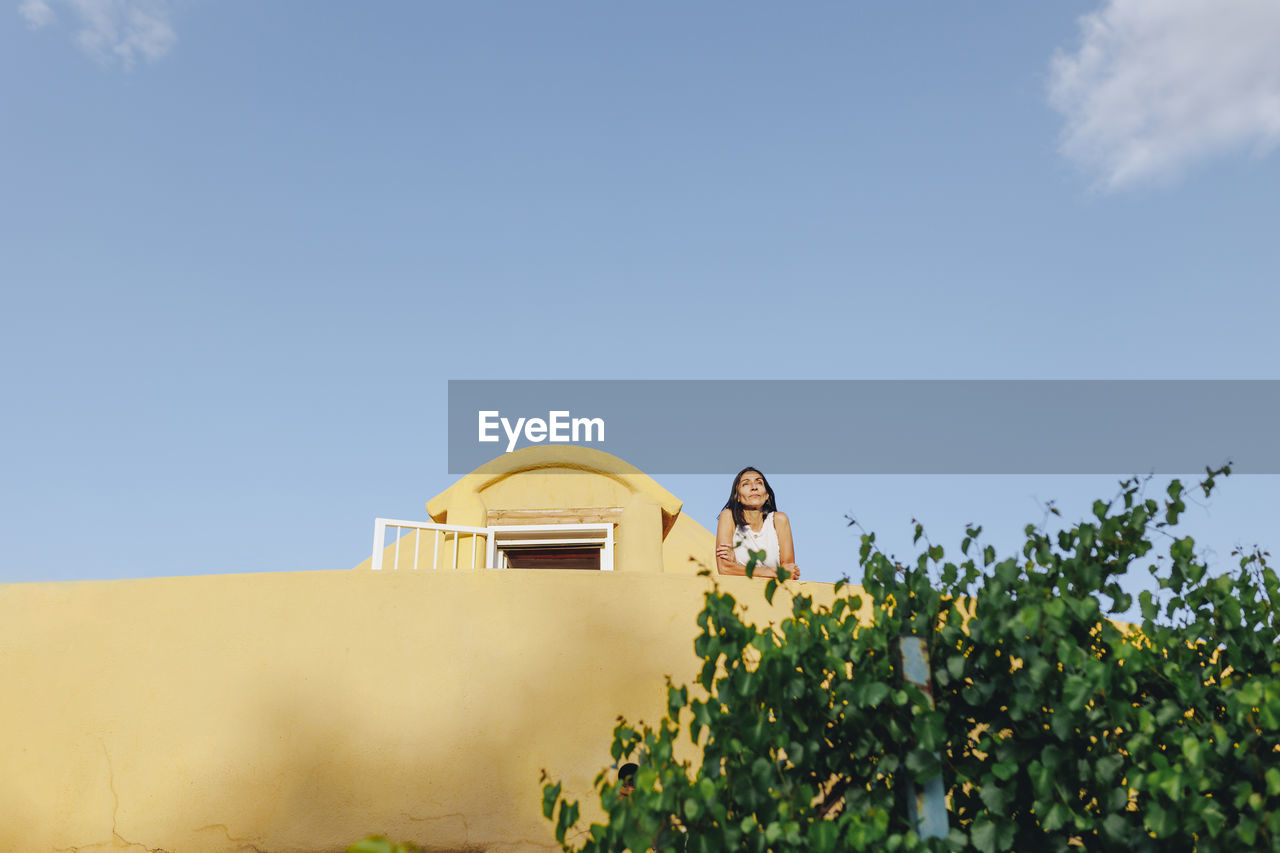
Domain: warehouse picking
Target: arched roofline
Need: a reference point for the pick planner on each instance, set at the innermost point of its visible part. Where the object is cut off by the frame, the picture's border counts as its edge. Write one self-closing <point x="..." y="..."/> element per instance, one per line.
<point x="585" y="459"/>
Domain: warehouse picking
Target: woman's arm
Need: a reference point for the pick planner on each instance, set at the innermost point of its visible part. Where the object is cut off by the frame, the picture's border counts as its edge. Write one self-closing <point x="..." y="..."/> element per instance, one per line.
<point x="726" y="563"/>
<point x="786" y="548"/>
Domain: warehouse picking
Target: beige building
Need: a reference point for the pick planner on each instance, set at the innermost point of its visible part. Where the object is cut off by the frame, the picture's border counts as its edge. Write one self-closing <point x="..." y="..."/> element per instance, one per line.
<point x="301" y="711"/>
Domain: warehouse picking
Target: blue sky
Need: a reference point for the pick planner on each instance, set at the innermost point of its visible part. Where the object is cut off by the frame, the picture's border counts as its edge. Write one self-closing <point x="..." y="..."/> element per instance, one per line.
<point x="243" y="246"/>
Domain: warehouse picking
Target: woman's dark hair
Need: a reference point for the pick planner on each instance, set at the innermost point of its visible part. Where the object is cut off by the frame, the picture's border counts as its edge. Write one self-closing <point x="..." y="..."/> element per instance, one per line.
<point x="735" y="506"/>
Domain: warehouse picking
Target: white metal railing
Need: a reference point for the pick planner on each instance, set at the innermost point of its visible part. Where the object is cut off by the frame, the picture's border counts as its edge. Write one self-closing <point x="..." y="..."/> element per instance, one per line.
<point x="497" y="540"/>
<point x="449" y="533"/>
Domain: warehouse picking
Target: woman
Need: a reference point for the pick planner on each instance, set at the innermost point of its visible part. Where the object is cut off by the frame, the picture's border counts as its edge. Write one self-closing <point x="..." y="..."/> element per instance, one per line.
<point x="750" y="521"/>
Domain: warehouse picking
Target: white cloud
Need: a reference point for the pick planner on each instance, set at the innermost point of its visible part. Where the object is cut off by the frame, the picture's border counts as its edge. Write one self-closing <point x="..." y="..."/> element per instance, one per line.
<point x="1156" y="85"/>
<point x="37" y="13"/>
<point x="112" y="30"/>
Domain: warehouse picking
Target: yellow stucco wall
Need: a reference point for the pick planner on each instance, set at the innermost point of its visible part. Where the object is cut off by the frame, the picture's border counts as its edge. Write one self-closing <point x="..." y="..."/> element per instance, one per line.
<point x="302" y="711"/>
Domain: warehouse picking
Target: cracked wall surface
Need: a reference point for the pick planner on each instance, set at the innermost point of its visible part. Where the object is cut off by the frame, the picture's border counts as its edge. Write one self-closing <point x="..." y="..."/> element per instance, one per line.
<point x="298" y="712"/>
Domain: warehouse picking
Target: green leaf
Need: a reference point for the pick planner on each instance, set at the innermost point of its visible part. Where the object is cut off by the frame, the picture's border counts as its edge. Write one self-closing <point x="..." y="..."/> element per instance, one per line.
<point x="1005" y="770"/>
<point x="989" y="837"/>
<point x="824" y="835"/>
<point x="1213" y="818"/>
<point x="1115" y="828"/>
<point x="1107" y="768"/>
<point x="566" y="818"/>
<point x="1077" y="692"/>
<point x="922" y="763"/>
<point x="676" y="699"/>
<point x="1191" y="749"/>
<point x="995" y="798"/>
<point x="1056" y="817"/>
<point x="373" y="844"/>
<point x="550" y="793"/>
<point x="1041" y="779"/>
<point x="1273" y="782"/>
<point x="1247" y="829"/>
<point x="1159" y="820"/>
<point x="874" y="693"/>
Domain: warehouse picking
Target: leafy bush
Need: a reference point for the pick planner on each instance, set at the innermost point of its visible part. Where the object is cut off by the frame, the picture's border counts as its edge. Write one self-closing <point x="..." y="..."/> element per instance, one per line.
<point x="1053" y="727"/>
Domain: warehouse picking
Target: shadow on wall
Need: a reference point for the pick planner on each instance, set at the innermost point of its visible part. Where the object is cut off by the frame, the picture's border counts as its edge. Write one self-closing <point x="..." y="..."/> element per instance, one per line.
<point x="443" y="742"/>
<point x="304" y="711"/>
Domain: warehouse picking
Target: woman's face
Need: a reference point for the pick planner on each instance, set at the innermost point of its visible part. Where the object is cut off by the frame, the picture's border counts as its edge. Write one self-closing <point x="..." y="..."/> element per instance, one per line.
<point x="751" y="491"/>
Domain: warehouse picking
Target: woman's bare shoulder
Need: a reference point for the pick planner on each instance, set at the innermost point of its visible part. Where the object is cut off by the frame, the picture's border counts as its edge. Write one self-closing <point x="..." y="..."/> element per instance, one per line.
<point x="724" y="528"/>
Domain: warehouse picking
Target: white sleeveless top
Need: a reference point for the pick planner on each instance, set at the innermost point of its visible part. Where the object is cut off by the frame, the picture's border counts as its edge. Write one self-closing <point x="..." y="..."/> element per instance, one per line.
<point x="765" y="539"/>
